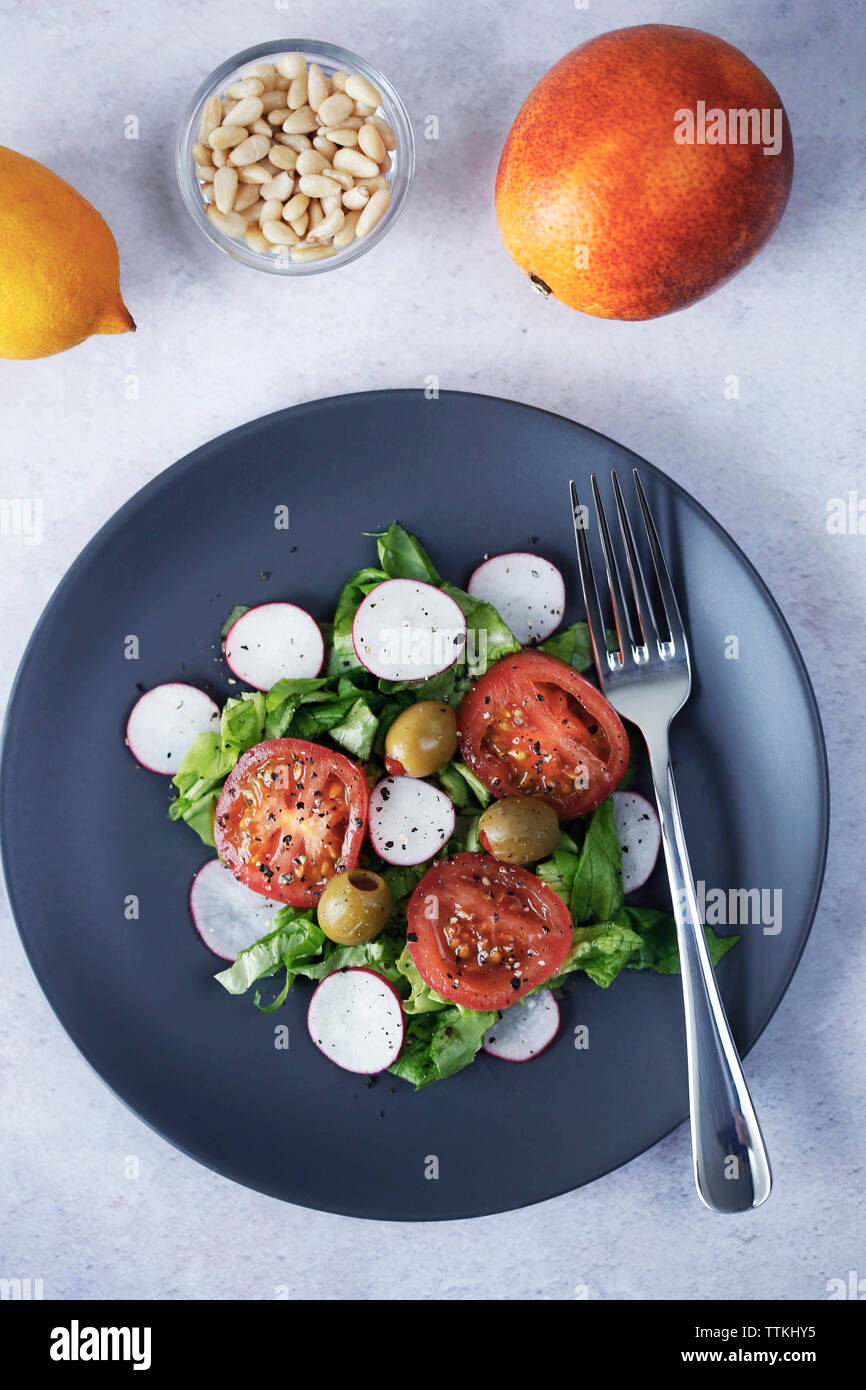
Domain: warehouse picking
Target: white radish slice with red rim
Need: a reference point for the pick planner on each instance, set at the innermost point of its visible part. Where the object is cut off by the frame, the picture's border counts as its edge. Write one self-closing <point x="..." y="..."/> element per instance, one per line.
<point x="639" y="833"/>
<point x="405" y="630"/>
<point x="273" y="642"/>
<point x="227" y="915"/>
<point x="356" y="1018"/>
<point x="164" y="722"/>
<point x="527" y="591"/>
<point x="525" y="1030"/>
<point x="409" y="820"/>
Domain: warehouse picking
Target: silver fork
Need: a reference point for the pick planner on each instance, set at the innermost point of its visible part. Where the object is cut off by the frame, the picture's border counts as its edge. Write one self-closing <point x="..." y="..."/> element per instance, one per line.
<point x="648" y="681"/>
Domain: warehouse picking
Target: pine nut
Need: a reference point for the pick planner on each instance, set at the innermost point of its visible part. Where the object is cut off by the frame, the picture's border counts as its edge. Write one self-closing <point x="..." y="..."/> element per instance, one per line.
<point x="256" y="173"/>
<point x="279" y="234"/>
<point x="247" y="87"/>
<point x="354" y="163"/>
<point x="356" y="198"/>
<point x="373" y="212"/>
<point x="261" y="127"/>
<point x="371" y="143"/>
<point x="300" y="224"/>
<point x="342" y="136"/>
<point x="359" y="89"/>
<point x="301" y="122"/>
<point x="335" y="109"/>
<point x="316" y="216"/>
<point x="389" y="139"/>
<point x="278" y="115"/>
<point x="252" y="150"/>
<point x="280" y="187"/>
<point x="290" y="65"/>
<point x="227" y="136"/>
<point x="220" y="158"/>
<point x="225" y="186"/>
<point x="271" y="100"/>
<point x="297" y="93"/>
<point x="346" y="235"/>
<point x="246" y="111"/>
<point x="362" y="109"/>
<point x="229" y="223"/>
<point x="325" y="147"/>
<point x="317" y="185"/>
<point x="252" y="214"/>
<point x="283" y="157"/>
<point x="341" y="177"/>
<point x="207" y="192"/>
<point x="271" y="211"/>
<point x="331" y="224"/>
<point x="313" y="253"/>
<point x="298" y="143"/>
<point x="256" y="240"/>
<point x="318" y="86"/>
<point x="328" y="204"/>
<point x="204" y="172"/>
<point x="338" y="81"/>
<point x="202" y="155"/>
<point x="378" y="182"/>
<point x="295" y="207"/>
<point x="262" y="70"/>
<point x="211" y="117"/>
<point x="311" y="162"/>
<point x="247" y="194"/>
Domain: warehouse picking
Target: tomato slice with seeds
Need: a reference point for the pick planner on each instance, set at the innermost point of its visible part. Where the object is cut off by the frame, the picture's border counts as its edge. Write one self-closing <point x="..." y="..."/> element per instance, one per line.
<point x="533" y="726"/>
<point x="483" y="933"/>
<point x="290" y="816"/>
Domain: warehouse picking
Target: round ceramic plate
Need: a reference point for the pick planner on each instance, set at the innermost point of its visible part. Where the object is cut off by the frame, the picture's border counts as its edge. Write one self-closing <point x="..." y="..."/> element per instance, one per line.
<point x="84" y="829"/>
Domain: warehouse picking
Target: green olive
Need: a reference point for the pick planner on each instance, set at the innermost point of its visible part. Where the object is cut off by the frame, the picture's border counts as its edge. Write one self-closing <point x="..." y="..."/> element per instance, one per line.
<point x="422" y="739"/>
<point x="354" y="907"/>
<point x="519" y="829"/>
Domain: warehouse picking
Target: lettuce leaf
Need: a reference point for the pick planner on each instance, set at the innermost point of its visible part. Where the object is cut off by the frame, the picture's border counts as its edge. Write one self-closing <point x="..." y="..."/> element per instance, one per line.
<point x="657" y="932"/>
<point x="439" y="1044"/>
<point x="342" y="659"/>
<point x="602" y="951"/>
<point x="295" y="941"/>
<point x="597" y="892"/>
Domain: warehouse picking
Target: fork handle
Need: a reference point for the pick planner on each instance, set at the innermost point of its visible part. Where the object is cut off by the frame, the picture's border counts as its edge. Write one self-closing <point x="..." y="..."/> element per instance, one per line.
<point x="732" y="1170"/>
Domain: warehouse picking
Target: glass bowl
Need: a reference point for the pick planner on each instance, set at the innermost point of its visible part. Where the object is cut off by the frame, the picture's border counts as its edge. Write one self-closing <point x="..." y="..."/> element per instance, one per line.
<point x="331" y="59"/>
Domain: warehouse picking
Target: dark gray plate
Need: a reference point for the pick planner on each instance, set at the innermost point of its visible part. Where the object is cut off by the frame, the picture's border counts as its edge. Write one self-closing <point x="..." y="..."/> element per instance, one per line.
<point x="83" y="828"/>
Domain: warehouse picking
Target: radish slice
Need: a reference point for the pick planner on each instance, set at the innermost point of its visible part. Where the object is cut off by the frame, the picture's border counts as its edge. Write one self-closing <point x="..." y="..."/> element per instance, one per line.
<point x="639" y="833"/>
<point x="227" y="915"/>
<point x="525" y="1030"/>
<point x="356" y="1018"/>
<point x="527" y="591"/>
<point x="408" y="631"/>
<point x="409" y="820"/>
<point x="164" y="722"/>
<point x="273" y="642"/>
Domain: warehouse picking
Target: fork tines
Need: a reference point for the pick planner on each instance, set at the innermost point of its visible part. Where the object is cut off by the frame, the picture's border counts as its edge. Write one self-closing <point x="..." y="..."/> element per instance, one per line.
<point x="636" y="644"/>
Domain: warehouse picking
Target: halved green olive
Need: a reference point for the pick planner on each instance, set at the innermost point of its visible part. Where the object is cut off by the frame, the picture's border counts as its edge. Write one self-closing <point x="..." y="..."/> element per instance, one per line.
<point x="519" y="829"/>
<point x="354" y="907"/>
<point x="421" y="740"/>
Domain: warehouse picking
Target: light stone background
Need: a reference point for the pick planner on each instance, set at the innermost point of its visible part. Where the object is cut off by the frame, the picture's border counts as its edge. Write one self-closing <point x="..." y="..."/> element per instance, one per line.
<point x="218" y="345"/>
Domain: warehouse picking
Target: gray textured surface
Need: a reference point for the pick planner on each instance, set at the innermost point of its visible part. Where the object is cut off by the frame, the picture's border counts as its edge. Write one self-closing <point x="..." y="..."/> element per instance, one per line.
<point x="440" y="297"/>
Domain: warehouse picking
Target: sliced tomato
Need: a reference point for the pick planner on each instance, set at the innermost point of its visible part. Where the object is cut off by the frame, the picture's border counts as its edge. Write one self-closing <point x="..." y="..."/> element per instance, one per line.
<point x="290" y="816"/>
<point x="483" y="933"/>
<point x="532" y="725"/>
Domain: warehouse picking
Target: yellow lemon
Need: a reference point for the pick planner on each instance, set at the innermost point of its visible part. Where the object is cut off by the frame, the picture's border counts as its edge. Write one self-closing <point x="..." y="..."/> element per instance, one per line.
<point x="58" y="264"/>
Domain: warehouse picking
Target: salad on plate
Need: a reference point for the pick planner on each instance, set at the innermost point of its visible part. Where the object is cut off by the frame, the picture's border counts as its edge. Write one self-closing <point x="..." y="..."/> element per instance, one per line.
<point x="423" y="807"/>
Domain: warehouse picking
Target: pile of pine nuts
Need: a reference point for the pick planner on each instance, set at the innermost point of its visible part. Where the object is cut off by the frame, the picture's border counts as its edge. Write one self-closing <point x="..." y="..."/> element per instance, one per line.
<point x="293" y="161"/>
